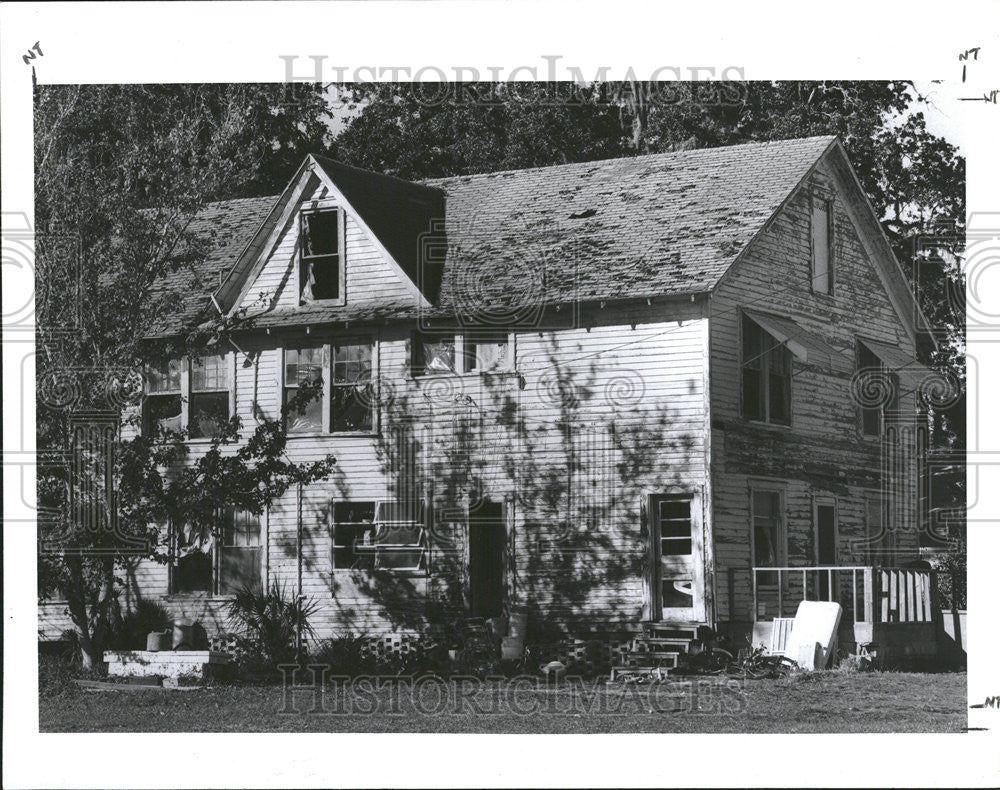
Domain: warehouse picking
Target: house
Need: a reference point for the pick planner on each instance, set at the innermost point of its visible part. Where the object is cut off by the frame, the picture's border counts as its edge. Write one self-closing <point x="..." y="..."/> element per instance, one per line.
<point x="677" y="389"/>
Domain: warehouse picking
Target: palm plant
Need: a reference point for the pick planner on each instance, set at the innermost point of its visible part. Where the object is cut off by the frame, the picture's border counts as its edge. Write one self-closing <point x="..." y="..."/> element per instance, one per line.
<point x="272" y="621"/>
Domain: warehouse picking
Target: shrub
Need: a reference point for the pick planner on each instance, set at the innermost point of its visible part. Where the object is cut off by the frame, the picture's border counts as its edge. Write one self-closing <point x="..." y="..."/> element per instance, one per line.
<point x="129" y="631"/>
<point x="344" y="654"/>
<point x="270" y="621"/>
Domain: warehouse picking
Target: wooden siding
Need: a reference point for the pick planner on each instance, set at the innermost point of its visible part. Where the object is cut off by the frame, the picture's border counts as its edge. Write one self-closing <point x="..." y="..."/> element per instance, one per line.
<point x="370" y="278"/>
<point x="822" y="453"/>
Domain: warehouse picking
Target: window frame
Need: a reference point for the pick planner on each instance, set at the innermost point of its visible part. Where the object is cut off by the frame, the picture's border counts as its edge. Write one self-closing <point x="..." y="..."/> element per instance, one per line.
<point x="781" y="544"/>
<point x="765" y="375"/>
<point x="422" y="567"/>
<point x="892" y="405"/>
<point x="328" y="346"/>
<point x="215" y="553"/>
<point x="829" y="204"/>
<point x="461" y="353"/>
<point x="322" y="207"/>
<point x="187" y="391"/>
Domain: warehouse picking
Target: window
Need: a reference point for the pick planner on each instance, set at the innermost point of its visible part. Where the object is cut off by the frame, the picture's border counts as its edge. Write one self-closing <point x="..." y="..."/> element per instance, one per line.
<point x="485" y="352"/>
<point x="881" y="379"/>
<point x="766" y="376"/>
<point x="162" y="405"/>
<point x="223" y="563"/>
<point x="240" y="552"/>
<point x="433" y="354"/>
<point x="821" y="242"/>
<point x="768" y="532"/>
<point x="351" y="391"/>
<point x="378" y="535"/>
<point x="320" y="249"/>
<point x="209" y="395"/>
<point x="304" y="368"/>
<point x="675" y="527"/>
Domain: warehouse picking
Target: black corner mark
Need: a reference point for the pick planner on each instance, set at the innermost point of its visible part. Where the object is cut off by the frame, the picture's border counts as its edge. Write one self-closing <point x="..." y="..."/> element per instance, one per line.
<point x="31" y="53"/>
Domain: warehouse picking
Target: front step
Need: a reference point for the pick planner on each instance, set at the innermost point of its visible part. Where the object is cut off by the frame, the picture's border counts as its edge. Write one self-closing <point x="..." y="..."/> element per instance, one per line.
<point x="656" y="651"/>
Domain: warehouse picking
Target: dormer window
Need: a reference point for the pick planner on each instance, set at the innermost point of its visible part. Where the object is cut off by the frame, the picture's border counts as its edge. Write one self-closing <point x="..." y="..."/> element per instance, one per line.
<point x="321" y="255"/>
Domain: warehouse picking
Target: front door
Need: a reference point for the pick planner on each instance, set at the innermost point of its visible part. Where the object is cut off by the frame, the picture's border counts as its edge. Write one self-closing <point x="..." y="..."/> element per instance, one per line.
<point x="486" y="565"/>
<point x="677" y="558"/>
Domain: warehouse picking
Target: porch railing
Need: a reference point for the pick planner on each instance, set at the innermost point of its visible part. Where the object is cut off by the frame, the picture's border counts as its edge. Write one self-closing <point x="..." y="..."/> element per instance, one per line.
<point x="874" y="594"/>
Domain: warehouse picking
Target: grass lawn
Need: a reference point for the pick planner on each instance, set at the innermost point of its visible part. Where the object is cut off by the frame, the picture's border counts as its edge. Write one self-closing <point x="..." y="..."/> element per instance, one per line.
<point x="821" y="702"/>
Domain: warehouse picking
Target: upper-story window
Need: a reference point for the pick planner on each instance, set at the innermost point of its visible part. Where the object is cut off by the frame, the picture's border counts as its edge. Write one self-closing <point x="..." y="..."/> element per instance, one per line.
<point x="475" y="352"/>
<point x="321" y="254"/>
<point x="766" y="375"/>
<point x="193" y="393"/>
<point x="873" y="416"/>
<point x="340" y="376"/>
<point x="821" y="242"/>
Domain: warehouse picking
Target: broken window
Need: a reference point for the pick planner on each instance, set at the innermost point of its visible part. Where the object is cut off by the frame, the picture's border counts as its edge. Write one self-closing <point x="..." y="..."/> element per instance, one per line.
<point x="320" y="264"/>
<point x="162" y="404"/>
<point x="821" y="241"/>
<point x="209" y="395"/>
<point x="768" y="532"/>
<point x="766" y="376"/>
<point x="240" y="552"/>
<point x="383" y="535"/>
<point x="352" y="397"/>
<point x="485" y="352"/>
<point x="881" y="381"/>
<point x="433" y="354"/>
<point x="193" y="558"/>
<point x="303" y="368"/>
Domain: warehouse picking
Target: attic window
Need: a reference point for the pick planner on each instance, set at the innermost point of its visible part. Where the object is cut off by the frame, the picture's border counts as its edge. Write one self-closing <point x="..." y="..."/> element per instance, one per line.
<point x="321" y="259"/>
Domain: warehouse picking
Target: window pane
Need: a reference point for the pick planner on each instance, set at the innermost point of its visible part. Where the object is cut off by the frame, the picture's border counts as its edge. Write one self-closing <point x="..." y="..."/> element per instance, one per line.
<point x="163" y="411"/>
<point x="675" y="547"/>
<point x="753" y="394"/>
<point x="353" y="531"/>
<point x="352" y="363"/>
<point x="193" y="572"/>
<point x="779" y="390"/>
<point x="239" y="567"/>
<point x="163" y="376"/>
<point x="209" y="411"/>
<point x="352" y="408"/>
<point x="319" y="233"/>
<point x="677" y="593"/>
<point x="486" y="352"/>
<point x="435" y="354"/>
<point x="308" y="417"/>
<point x="209" y="373"/>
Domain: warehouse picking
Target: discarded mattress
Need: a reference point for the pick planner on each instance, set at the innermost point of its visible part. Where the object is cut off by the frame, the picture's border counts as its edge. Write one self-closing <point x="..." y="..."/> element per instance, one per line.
<point x="813" y="638"/>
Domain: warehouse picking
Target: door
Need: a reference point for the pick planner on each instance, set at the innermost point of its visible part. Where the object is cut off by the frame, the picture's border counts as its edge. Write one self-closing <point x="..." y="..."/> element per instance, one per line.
<point x="486" y="559"/>
<point x="826" y="545"/>
<point x="677" y="558"/>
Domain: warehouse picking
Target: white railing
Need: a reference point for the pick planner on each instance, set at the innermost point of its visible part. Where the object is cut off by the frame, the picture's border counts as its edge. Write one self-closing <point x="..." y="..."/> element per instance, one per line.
<point x="873" y="594"/>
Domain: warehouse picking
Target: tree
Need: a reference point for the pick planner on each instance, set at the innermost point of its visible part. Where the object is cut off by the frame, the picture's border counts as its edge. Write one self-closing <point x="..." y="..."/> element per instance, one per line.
<point x="120" y="172"/>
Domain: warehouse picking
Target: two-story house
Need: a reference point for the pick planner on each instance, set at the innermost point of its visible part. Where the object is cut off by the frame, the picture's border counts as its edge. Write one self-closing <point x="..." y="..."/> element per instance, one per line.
<point x="613" y="392"/>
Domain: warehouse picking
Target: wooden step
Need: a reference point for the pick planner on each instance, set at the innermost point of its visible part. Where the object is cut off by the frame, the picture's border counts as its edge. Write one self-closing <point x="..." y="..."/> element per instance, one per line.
<point x="670" y="630"/>
<point x="685" y="644"/>
<point x="617" y="673"/>
<point x="639" y="659"/>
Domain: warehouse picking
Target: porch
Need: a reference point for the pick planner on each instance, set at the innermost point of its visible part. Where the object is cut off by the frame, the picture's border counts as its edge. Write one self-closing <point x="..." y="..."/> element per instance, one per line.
<point x="891" y="613"/>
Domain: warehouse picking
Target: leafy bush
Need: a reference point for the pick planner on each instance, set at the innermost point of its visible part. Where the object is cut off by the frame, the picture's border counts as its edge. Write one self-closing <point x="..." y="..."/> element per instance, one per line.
<point x="129" y="631"/>
<point x="344" y="654"/>
<point x="270" y="621"/>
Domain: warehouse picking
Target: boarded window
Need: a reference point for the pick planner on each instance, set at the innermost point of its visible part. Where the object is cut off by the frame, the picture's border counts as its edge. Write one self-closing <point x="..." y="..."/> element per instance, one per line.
<point x="303" y="368"/>
<point x="209" y="395"/>
<point x="320" y="261"/>
<point x="162" y="404"/>
<point x="352" y="396"/>
<point x="821" y="229"/>
<point x="486" y="352"/>
<point x="240" y="552"/>
<point x="433" y="354"/>
<point x="768" y="533"/>
<point x="766" y="375"/>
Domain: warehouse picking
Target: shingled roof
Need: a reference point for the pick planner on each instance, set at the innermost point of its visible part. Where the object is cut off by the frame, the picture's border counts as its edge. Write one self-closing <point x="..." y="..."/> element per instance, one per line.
<point x="634" y="227"/>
